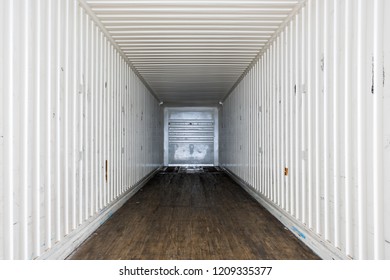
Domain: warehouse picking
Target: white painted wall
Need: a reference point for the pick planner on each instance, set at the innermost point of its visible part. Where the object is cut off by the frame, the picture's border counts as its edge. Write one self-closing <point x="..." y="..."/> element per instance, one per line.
<point x="317" y="103"/>
<point x="70" y="107"/>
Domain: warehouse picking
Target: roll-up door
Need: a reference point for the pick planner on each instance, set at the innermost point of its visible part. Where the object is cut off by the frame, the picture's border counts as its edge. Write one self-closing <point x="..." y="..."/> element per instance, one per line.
<point x="191" y="136"/>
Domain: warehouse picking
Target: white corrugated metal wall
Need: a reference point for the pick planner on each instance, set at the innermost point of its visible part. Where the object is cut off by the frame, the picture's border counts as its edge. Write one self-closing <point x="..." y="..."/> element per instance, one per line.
<point x="78" y="128"/>
<point x="315" y="143"/>
<point x="308" y="126"/>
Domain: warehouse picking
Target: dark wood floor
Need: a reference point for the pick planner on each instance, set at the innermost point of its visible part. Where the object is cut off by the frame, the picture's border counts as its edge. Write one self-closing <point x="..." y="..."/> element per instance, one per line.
<point x="192" y="216"/>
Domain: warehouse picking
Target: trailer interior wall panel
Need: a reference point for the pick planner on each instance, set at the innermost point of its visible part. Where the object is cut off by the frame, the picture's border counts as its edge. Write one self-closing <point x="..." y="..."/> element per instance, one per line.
<point x="302" y="90"/>
<point x="78" y="129"/>
<point x="307" y="128"/>
<point x="386" y="130"/>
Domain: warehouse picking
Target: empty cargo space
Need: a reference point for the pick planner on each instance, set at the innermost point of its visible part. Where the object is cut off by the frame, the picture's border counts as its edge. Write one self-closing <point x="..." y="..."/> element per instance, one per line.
<point x="194" y="129"/>
<point x="195" y="215"/>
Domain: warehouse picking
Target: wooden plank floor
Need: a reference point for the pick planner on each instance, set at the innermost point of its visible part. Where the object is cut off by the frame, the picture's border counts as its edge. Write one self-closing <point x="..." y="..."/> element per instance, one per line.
<point x="192" y="216"/>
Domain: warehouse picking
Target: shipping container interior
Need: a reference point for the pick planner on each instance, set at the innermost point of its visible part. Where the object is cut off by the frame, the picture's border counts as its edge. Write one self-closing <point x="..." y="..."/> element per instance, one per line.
<point x="289" y="98"/>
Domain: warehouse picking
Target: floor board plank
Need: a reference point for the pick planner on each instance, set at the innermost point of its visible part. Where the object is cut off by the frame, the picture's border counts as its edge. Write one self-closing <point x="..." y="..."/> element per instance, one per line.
<point x="192" y="216"/>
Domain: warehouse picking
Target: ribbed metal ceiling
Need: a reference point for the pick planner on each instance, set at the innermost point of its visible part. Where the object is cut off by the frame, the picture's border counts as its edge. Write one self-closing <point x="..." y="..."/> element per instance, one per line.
<point x="191" y="52"/>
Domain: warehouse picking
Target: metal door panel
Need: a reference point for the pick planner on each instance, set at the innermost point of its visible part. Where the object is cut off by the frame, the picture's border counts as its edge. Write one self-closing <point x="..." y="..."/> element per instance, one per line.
<point x="190" y="136"/>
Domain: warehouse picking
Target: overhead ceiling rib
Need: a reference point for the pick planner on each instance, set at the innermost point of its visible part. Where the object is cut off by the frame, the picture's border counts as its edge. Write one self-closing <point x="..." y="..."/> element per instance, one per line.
<point x="192" y="52"/>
